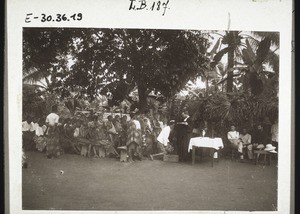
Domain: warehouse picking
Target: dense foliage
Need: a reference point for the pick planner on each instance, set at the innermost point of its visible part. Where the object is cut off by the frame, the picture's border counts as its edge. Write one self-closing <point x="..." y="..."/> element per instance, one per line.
<point x="114" y="61"/>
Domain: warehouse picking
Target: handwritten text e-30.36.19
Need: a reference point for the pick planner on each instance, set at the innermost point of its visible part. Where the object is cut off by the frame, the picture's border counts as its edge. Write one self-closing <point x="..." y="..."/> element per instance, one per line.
<point x="53" y="18"/>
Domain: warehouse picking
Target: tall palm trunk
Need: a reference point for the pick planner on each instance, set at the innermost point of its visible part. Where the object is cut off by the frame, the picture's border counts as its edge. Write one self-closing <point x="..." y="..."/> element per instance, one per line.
<point x="230" y="71"/>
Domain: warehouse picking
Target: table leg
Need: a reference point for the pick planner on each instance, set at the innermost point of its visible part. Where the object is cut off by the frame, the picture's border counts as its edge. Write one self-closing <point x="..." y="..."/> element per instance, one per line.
<point x="201" y="153"/>
<point x="193" y="154"/>
<point x="212" y="156"/>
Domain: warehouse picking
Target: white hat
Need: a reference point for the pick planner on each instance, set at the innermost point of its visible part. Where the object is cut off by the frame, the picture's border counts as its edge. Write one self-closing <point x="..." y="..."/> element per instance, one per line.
<point x="273" y="151"/>
<point x="269" y="147"/>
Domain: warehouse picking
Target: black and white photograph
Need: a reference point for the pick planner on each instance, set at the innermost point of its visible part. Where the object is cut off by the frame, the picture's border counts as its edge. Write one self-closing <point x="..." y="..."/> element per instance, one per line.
<point x="113" y="118"/>
<point x="127" y="119"/>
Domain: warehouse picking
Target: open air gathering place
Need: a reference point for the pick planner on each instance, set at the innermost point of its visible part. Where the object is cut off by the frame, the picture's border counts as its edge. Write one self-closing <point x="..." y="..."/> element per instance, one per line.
<point x="140" y="119"/>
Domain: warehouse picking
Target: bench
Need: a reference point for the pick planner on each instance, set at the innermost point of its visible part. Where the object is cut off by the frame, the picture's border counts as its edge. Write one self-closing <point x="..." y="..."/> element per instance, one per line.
<point x="267" y="156"/>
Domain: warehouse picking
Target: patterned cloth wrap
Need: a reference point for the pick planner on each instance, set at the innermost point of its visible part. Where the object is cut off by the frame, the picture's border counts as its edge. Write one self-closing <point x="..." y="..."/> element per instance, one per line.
<point x="134" y="135"/>
<point x="95" y="135"/>
<point x="40" y="142"/>
<point x="53" y="147"/>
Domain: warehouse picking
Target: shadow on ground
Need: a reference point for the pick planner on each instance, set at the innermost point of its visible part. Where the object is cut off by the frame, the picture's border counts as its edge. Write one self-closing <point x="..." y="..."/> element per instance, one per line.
<point x="73" y="182"/>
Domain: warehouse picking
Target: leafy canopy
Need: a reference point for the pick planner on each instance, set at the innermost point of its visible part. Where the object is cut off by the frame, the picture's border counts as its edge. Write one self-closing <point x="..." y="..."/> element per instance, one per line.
<point x="115" y="61"/>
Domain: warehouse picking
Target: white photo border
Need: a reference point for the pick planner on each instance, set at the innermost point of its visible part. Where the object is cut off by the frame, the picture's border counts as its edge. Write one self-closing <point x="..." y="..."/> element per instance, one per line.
<point x="247" y="15"/>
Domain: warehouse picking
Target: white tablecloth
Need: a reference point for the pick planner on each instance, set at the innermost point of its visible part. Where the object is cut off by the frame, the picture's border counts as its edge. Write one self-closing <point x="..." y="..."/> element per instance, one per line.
<point x="215" y="143"/>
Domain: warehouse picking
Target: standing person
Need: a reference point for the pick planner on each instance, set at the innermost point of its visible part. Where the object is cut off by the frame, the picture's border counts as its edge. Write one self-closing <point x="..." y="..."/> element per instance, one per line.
<point x="134" y="138"/>
<point x="235" y="141"/>
<point x="183" y="135"/>
<point x="274" y="132"/>
<point x="27" y="134"/>
<point x="118" y="127"/>
<point x="53" y="148"/>
<point x="156" y="131"/>
<point x="52" y="119"/>
<point x="148" y="140"/>
<point x="39" y="137"/>
<point x="111" y="130"/>
<point x="246" y="140"/>
<point x="267" y="126"/>
<point x="123" y="134"/>
<point x="164" y="141"/>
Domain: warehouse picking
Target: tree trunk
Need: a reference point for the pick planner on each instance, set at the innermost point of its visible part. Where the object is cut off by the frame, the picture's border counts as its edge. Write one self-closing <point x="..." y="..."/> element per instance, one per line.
<point x="206" y="86"/>
<point x="230" y="71"/>
<point x="142" y="97"/>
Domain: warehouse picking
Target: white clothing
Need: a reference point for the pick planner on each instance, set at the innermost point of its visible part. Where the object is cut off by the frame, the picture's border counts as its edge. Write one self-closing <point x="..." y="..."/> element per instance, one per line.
<point x="233" y="135"/>
<point x="25" y="126"/>
<point x="76" y="132"/>
<point x="33" y="126"/>
<point x="186" y="118"/>
<point x="137" y="124"/>
<point x="52" y="119"/>
<point x="149" y="124"/>
<point x="40" y="130"/>
<point x="163" y="136"/>
<point x="274" y="131"/>
<point x="161" y="124"/>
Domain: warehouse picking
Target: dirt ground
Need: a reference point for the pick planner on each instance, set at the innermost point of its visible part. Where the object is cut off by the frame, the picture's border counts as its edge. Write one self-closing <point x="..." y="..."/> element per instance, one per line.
<point x="72" y="182"/>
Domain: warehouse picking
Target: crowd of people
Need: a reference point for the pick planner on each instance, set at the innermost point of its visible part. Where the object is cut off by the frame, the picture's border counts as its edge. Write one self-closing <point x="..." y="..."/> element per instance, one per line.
<point x="142" y="135"/>
<point x="98" y="136"/>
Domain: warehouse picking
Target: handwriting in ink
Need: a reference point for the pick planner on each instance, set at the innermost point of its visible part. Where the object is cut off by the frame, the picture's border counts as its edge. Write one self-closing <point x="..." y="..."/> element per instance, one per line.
<point x="151" y="6"/>
<point x="54" y="18"/>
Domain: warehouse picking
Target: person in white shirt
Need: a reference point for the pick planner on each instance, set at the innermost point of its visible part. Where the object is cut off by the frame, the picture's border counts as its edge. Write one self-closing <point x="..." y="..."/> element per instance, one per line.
<point x="163" y="140"/>
<point x="39" y="138"/>
<point x="33" y="126"/>
<point x="246" y="140"/>
<point x="52" y="119"/>
<point x="28" y="133"/>
<point x="235" y="141"/>
<point x="26" y="125"/>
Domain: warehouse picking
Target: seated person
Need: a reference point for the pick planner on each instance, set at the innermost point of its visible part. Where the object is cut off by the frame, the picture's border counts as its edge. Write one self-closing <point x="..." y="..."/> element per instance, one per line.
<point x="246" y="140"/>
<point x="235" y="141"/>
<point x="259" y="139"/>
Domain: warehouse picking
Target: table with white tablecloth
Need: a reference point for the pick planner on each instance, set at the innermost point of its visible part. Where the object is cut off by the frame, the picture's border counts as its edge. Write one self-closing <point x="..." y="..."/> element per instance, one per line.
<point x="215" y="144"/>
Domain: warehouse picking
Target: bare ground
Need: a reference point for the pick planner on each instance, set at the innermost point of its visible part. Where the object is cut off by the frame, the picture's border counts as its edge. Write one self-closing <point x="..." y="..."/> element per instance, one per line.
<point x="107" y="184"/>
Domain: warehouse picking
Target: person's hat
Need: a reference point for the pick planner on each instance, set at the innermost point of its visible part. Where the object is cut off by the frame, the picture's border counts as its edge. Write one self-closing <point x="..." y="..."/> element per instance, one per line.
<point x="269" y="147"/>
<point x="273" y="151"/>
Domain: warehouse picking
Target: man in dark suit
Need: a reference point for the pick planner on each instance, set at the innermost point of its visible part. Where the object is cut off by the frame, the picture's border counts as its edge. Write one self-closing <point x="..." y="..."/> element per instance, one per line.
<point x="184" y="129"/>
